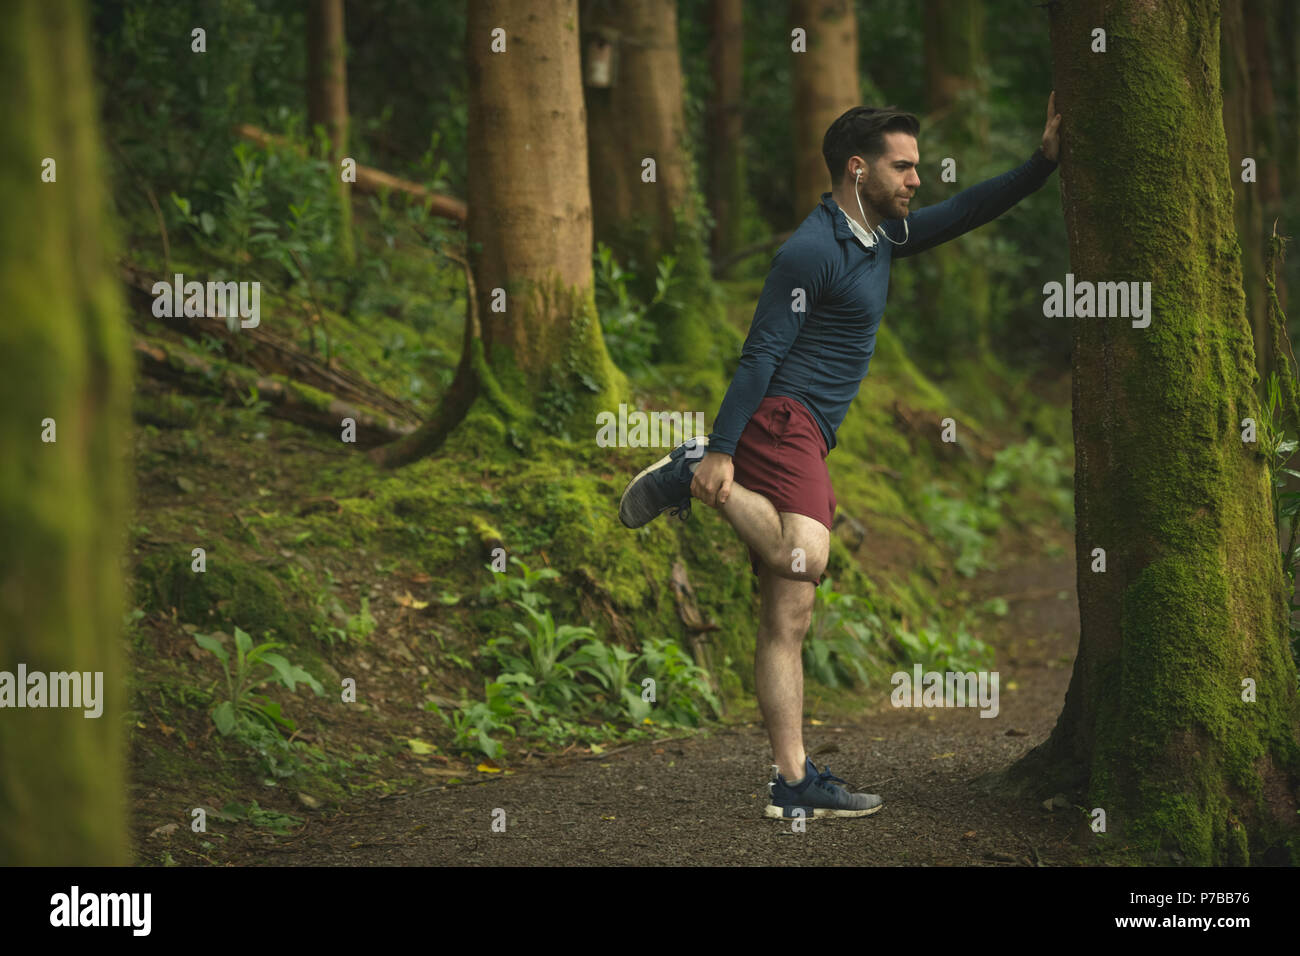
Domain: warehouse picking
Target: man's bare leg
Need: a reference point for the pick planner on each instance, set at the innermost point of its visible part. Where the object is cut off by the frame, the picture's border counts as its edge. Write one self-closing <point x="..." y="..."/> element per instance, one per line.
<point x="784" y="541"/>
<point x="785" y="612"/>
<point x="775" y="535"/>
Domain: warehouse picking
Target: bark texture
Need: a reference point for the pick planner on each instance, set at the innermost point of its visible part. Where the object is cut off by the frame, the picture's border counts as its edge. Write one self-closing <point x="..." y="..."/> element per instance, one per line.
<point x="639" y="117"/>
<point x="533" y="356"/>
<point x="64" y="506"/>
<point x="825" y="86"/>
<point x="955" y="299"/>
<point x="1238" y="125"/>
<point x="1192" y="601"/>
<point x="726" y="166"/>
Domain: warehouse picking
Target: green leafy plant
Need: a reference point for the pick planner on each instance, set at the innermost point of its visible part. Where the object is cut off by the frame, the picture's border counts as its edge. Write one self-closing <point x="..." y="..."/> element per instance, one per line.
<point x="251" y="717"/>
<point x="506" y="588"/>
<point x="1286" y="504"/>
<point x="682" y="687"/>
<point x="959" y="525"/>
<point x="612" y="667"/>
<point x="361" y="625"/>
<point x="630" y="328"/>
<point x="840" y="637"/>
<point x="553" y="672"/>
<point x="327" y="612"/>
<point x="278" y="823"/>
<point x="961" y="652"/>
<point x="473" y="723"/>
<point x="1034" y="466"/>
<point x="253" y="402"/>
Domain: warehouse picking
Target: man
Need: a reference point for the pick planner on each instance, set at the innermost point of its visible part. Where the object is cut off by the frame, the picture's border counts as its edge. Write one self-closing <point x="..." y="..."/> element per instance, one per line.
<point x="808" y="348"/>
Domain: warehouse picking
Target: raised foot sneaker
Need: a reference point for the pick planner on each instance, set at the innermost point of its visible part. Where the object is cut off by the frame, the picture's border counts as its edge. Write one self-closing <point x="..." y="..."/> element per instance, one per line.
<point x="665" y="484"/>
<point x="817" y="796"/>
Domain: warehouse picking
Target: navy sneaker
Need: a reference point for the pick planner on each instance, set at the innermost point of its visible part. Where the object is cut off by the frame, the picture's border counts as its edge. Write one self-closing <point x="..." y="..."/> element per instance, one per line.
<point x="665" y="484"/>
<point x="816" y="796"/>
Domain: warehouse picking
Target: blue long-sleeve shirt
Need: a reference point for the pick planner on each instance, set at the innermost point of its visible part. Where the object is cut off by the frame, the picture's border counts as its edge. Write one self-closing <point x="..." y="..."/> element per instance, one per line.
<point x="820" y="354"/>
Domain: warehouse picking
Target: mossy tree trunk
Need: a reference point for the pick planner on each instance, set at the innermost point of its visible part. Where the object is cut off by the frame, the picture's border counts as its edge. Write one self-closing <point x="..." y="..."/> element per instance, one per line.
<point x="1244" y="141"/>
<point x="825" y="86"/>
<point x="955" y="303"/>
<point x="640" y="117"/>
<point x="1192" y="601"/>
<point x="1239" y="127"/>
<point x="65" y="503"/>
<point x="327" y="99"/>
<point x="726" y="166"/>
<point x="533" y="354"/>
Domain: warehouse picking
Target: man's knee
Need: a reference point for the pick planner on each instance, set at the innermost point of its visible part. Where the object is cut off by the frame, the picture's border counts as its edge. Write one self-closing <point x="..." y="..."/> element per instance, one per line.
<point x="804" y="562"/>
<point x="802" y="553"/>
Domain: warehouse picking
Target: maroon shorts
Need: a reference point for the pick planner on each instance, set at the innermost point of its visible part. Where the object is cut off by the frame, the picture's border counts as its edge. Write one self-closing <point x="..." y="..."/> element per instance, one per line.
<point x="781" y="455"/>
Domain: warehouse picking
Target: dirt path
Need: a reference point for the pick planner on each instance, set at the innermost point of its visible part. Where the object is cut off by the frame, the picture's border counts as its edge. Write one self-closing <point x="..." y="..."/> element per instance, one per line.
<point x="699" y="800"/>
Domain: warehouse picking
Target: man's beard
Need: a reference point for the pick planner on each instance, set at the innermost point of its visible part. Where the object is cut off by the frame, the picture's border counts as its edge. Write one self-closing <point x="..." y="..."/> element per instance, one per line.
<point x="882" y="206"/>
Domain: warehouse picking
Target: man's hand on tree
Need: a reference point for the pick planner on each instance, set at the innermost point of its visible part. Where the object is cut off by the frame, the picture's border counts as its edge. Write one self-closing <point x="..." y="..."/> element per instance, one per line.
<point x="1051" y="132"/>
<point x="712" y="481"/>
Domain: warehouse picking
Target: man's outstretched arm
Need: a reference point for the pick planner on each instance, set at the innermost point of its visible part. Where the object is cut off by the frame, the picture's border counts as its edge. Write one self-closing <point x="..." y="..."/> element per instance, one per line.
<point x="973" y="207"/>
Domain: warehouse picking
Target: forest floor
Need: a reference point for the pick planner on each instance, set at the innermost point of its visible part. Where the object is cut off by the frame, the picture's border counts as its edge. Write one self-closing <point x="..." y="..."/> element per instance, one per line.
<point x="351" y="570"/>
<point x="699" y="800"/>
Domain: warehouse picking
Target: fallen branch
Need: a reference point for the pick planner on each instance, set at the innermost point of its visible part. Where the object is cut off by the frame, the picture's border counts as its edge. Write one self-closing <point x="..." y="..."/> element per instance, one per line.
<point x="371" y="180"/>
<point x="287" y="400"/>
<point x="268" y="353"/>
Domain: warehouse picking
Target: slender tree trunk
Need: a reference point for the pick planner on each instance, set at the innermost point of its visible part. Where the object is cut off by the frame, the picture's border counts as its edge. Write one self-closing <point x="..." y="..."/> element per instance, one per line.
<point x="537" y="358"/>
<point x="957" y="303"/>
<point x="327" y="98"/>
<point x="1242" y="144"/>
<point x="1288" y="21"/>
<point x="954" y="52"/>
<point x="65" y="503"/>
<point x="825" y="86"/>
<point x="639" y="118"/>
<point x="1264" y="122"/>
<point x="1190" y="611"/>
<point x="726" y="167"/>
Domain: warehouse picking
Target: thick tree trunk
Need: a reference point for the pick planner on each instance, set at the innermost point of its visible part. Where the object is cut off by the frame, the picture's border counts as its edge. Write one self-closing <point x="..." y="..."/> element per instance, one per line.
<point x="1242" y="143"/>
<point x="640" y="117"/>
<point x="726" y="166"/>
<point x="1192" y="601"/>
<point x="956" y="304"/>
<point x="825" y="86"/>
<point x="63" y="504"/>
<point x="533" y="350"/>
<point x="327" y="97"/>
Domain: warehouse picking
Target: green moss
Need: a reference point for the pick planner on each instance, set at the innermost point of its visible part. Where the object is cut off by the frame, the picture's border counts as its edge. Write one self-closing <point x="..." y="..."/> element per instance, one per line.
<point x="482" y="432"/>
<point x="1192" y="600"/>
<point x="166" y="409"/>
<point x="314" y="397"/>
<point x="230" y="592"/>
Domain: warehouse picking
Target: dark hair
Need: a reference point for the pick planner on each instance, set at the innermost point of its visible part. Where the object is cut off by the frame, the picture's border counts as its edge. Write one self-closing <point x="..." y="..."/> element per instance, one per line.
<point x="861" y="131"/>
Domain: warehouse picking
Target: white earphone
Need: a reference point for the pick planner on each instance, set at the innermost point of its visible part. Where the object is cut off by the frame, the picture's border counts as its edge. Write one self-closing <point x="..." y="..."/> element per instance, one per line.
<point x="906" y="232"/>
